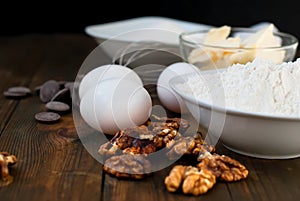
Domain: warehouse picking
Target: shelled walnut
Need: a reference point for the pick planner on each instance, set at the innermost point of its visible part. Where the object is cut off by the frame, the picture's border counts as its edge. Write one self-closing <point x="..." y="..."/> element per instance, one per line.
<point x="198" y="180"/>
<point x="224" y="167"/>
<point x="197" y="183"/>
<point x="190" y="179"/>
<point x="176" y="176"/>
<point x="190" y="146"/>
<point x="144" y="139"/>
<point x="108" y="149"/>
<point x="128" y="166"/>
<point x="184" y="124"/>
<point x="6" y="160"/>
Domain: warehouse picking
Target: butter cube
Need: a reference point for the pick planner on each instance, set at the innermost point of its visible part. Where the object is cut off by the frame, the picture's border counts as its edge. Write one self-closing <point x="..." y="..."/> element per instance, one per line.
<point x="216" y="35"/>
<point x="262" y="38"/>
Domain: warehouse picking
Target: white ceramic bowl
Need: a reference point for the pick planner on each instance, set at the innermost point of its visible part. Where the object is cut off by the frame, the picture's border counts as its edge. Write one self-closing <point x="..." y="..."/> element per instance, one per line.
<point x="252" y="134"/>
<point x="119" y="29"/>
<point x="149" y="43"/>
<point x="151" y="28"/>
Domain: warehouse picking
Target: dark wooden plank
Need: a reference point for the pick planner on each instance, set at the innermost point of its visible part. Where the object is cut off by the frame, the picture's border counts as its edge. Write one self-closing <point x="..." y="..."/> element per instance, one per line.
<point x="268" y="179"/>
<point x="51" y="166"/>
<point x="19" y="57"/>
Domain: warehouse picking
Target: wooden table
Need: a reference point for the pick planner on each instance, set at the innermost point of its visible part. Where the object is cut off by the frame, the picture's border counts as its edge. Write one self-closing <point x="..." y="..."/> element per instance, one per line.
<point x="57" y="167"/>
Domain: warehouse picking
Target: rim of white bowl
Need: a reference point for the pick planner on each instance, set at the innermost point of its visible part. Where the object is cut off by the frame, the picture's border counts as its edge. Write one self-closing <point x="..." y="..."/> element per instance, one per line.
<point x="190" y="98"/>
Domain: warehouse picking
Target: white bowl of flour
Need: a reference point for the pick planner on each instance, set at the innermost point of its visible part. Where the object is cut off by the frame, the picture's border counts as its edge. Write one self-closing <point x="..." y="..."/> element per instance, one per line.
<point x="254" y="109"/>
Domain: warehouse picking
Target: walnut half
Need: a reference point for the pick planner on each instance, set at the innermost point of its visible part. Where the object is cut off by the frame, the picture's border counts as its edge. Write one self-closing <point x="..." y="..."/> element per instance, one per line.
<point x="190" y="146"/>
<point x="190" y="179"/>
<point x="6" y="160"/>
<point x="176" y="176"/>
<point x="224" y="167"/>
<point x="199" y="182"/>
<point x="127" y="166"/>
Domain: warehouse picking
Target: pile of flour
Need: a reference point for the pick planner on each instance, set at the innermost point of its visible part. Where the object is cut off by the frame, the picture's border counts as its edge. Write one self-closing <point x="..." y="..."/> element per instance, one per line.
<point x="258" y="87"/>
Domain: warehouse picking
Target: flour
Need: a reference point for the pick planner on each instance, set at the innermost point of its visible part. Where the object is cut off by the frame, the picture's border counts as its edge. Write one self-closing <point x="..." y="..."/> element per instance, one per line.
<point x="257" y="87"/>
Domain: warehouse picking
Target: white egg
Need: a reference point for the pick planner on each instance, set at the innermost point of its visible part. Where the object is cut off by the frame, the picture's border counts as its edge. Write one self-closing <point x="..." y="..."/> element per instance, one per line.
<point x="167" y="96"/>
<point x="106" y="72"/>
<point x="115" y="104"/>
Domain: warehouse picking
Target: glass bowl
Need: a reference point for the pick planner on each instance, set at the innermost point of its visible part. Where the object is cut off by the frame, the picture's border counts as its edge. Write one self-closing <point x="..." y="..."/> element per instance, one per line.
<point x="204" y="56"/>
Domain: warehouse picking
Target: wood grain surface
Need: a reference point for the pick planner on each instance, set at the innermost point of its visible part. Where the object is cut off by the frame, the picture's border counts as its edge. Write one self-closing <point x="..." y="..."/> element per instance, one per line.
<point x="54" y="165"/>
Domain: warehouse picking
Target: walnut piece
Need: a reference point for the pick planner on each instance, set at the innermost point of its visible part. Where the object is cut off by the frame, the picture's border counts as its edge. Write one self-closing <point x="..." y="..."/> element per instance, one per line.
<point x="199" y="182"/>
<point x="224" y="167"/>
<point x="191" y="179"/>
<point x="180" y="122"/>
<point x="6" y="160"/>
<point x="144" y="139"/>
<point x="174" y="179"/>
<point x="178" y="173"/>
<point x="190" y="146"/>
<point x="128" y="166"/>
<point x="4" y="168"/>
<point x="108" y="149"/>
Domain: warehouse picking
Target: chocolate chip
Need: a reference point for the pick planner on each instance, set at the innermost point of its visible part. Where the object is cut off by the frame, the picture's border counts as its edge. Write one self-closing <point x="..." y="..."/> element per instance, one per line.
<point x="14" y="95"/>
<point x="57" y="106"/>
<point x="47" y="117"/>
<point x="19" y="89"/>
<point x="48" y="90"/>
